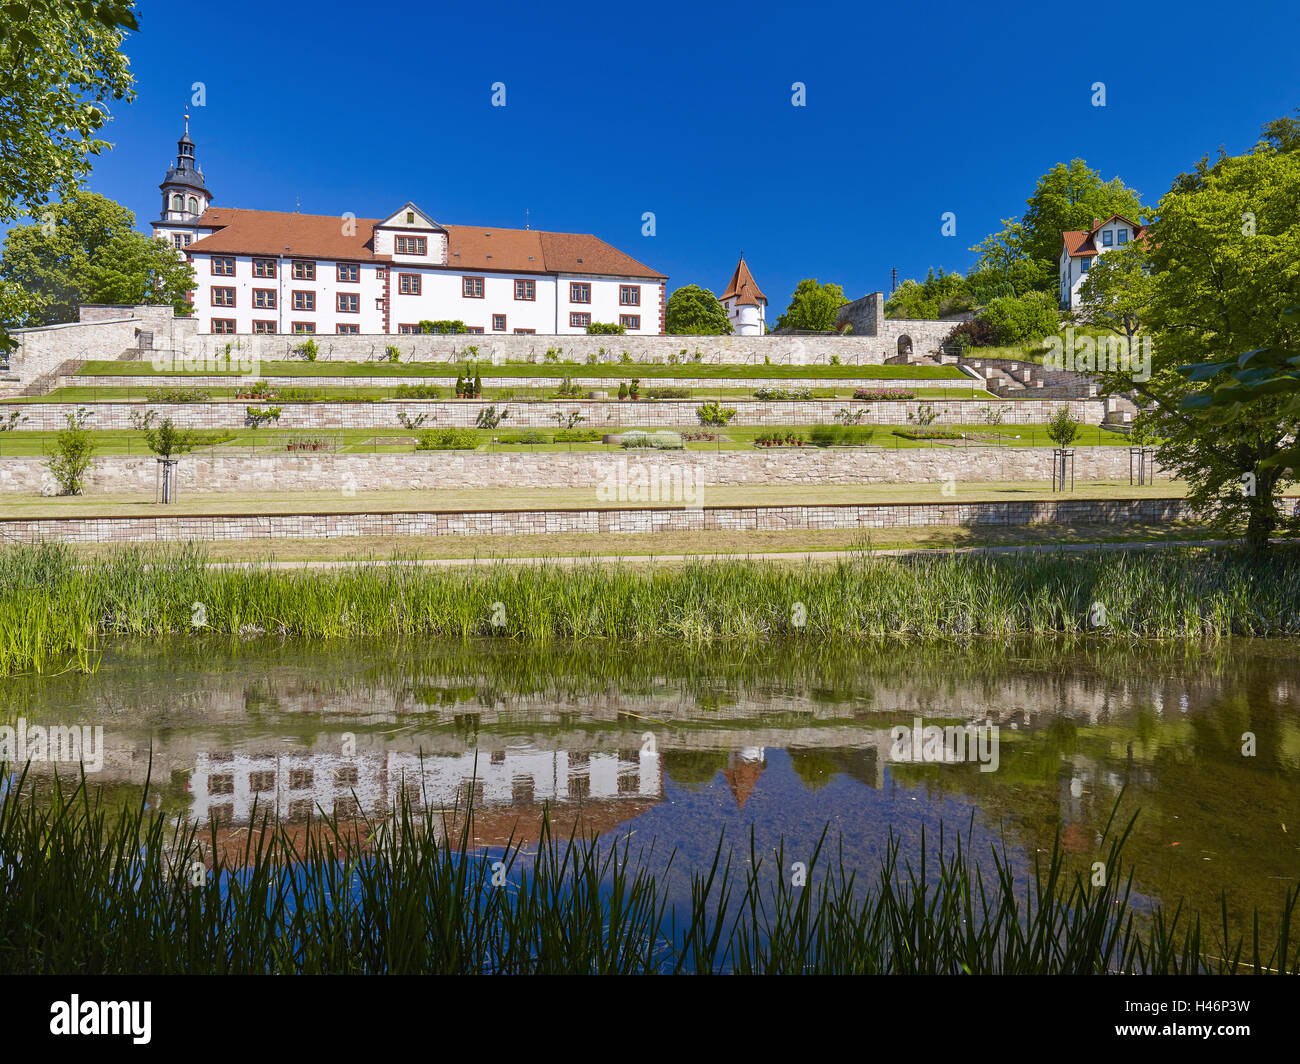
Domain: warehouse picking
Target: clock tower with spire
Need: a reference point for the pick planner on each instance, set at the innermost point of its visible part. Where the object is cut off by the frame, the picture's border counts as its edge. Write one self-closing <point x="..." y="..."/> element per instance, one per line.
<point x="185" y="196"/>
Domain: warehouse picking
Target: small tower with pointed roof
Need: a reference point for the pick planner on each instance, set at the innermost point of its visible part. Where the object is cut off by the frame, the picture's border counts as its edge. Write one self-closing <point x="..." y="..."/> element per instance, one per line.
<point x="185" y="195"/>
<point x="746" y="305"/>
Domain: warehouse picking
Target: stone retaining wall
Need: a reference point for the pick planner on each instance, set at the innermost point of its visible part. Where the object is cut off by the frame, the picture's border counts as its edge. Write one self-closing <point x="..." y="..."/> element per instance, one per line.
<point x="587" y="470"/>
<point x="598" y="414"/>
<point x="602" y="521"/>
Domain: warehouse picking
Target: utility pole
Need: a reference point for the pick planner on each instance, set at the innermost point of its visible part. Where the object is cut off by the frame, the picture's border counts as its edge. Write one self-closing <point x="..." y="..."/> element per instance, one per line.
<point x="893" y="280"/>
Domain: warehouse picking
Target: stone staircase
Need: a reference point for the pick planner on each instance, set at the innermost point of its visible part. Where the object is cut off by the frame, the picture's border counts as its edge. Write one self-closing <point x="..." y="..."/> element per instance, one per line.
<point x="1009" y="377"/>
<point x="46" y="382"/>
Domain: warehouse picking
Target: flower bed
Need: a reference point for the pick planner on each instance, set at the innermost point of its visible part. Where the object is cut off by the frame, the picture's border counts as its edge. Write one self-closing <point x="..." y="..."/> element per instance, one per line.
<point x="883" y="393"/>
<point x="778" y="439"/>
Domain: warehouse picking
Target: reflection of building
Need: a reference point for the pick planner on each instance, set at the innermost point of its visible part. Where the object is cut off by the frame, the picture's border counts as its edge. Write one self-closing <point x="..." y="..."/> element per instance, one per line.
<point x="744" y="767"/>
<point x="228" y="789"/>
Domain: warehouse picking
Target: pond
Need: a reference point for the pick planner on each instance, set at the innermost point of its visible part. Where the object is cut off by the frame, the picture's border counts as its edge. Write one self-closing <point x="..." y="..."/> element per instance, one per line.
<point x="678" y="747"/>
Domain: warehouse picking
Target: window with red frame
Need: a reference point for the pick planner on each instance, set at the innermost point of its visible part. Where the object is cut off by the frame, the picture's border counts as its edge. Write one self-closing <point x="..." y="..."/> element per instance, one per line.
<point x="223" y="297"/>
<point x="223" y="266"/>
<point x="629" y="295"/>
<point x="579" y="321"/>
<point x="304" y="271"/>
<point x="303" y="327"/>
<point x="349" y="273"/>
<point x="346" y="329"/>
<point x="264" y="267"/>
<point x="223" y="325"/>
<point x="498" y="323"/>
<point x="471" y="287"/>
<point x="408" y="284"/>
<point x="526" y="290"/>
<point x="304" y="300"/>
<point x="630" y="321"/>
<point x="264" y="298"/>
<point x="263" y="326"/>
<point x="412" y="245"/>
<point x="349" y="303"/>
<point x="579" y="292"/>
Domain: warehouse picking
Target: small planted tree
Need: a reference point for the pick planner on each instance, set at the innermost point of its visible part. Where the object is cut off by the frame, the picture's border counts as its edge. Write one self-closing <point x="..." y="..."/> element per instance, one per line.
<point x="412" y="423"/>
<point x="490" y="418"/>
<point x="1063" y="429"/>
<point x="74" y="451"/>
<point x="168" y="443"/>
<point x="569" y="420"/>
<point x="923" y="415"/>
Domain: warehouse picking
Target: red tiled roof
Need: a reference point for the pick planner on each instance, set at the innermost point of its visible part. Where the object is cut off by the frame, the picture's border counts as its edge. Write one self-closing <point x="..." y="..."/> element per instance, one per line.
<point x="744" y="287"/>
<point x="248" y="232"/>
<point x="1080" y="243"/>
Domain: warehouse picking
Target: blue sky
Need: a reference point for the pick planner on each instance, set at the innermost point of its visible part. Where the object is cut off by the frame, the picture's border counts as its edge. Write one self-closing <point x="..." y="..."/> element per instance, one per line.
<point x="912" y="110"/>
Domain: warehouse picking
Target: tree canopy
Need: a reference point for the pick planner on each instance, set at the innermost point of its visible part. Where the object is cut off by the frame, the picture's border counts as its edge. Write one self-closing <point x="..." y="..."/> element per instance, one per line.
<point x="813" y="306"/>
<point x="695" y="311"/>
<point x="87" y="251"/>
<point x="1225" y="256"/>
<point x="1069" y="196"/>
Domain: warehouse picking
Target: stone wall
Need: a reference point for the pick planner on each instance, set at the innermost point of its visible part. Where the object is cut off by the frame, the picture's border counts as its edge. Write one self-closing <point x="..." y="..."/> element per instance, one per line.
<point x="867" y="318"/>
<point x="599" y="414"/>
<point x="355" y="474"/>
<point x="599" y="521"/>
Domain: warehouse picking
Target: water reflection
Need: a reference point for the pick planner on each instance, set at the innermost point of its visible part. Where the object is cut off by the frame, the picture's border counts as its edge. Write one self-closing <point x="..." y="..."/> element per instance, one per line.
<point x="779" y="740"/>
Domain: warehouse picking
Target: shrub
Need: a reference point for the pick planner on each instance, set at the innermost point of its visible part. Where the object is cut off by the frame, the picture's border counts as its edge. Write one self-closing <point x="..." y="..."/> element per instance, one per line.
<point x="179" y="395"/>
<point x="662" y="440"/>
<point x="783" y="393"/>
<point x="257" y="416"/>
<point x="1017" y="319"/>
<point x="446" y="440"/>
<point x="622" y="390"/>
<point x="841" y="435"/>
<point x="532" y="436"/>
<point x="927" y="434"/>
<point x="309" y="349"/>
<point x="924" y="414"/>
<point x="713" y="413"/>
<point x="603" y="328"/>
<point x="442" y="328"/>
<point x="883" y="393"/>
<point x="74" y="451"/>
<point x="667" y="393"/>
<point x="394" y="353"/>
<point x="974" y="333"/>
<point x="412" y="423"/>
<point x="568" y="390"/>
<point x="578" y="435"/>
<point x="417" y="391"/>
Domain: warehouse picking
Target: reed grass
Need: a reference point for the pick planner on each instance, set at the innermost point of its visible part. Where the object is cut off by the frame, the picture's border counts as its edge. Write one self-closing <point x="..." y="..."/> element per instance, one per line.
<point x="89" y="890"/>
<point x="56" y="610"/>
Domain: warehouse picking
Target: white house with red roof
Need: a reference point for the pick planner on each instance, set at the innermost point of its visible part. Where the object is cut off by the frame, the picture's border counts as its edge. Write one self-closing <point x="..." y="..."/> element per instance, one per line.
<point x="745" y="303"/>
<point x="1080" y="248"/>
<point x="277" y="272"/>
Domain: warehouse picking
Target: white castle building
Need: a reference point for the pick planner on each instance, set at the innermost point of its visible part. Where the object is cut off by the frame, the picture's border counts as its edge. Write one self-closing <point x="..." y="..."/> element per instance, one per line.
<point x="276" y="272"/>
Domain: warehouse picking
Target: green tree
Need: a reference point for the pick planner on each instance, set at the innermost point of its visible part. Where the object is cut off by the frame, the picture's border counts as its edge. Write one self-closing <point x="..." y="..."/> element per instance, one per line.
<point x="133" y="268"/>
<point x="60" y="68"/>
<point x="85" y="251"/>
<point x="1017" y="320"/>
<point x="1225" y="254"/>
<point x="74" y="451"/>
<point x="695" y="311"/>
<point x="1117" y="291"/>
<point x="938" y="296"/>
<point x="1069" y="196"/>
<point x="813" y="306"/>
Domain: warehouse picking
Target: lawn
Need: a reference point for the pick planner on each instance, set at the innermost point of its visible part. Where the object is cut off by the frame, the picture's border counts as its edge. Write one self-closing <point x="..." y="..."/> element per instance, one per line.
<point x="643" y="370"/>
<point x="110" y="393"/>
<point x="399" y="440"/>
<point x="466" y="500"/>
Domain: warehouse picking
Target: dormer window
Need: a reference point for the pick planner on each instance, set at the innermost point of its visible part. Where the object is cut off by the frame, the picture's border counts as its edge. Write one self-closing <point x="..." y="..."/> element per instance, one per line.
<point x="194" y="205"/>
<point x="412" y="245"/>
<point x="178" y="203"/>
<point x="1108" y="238"/>
<point x="1123" y="236"/>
